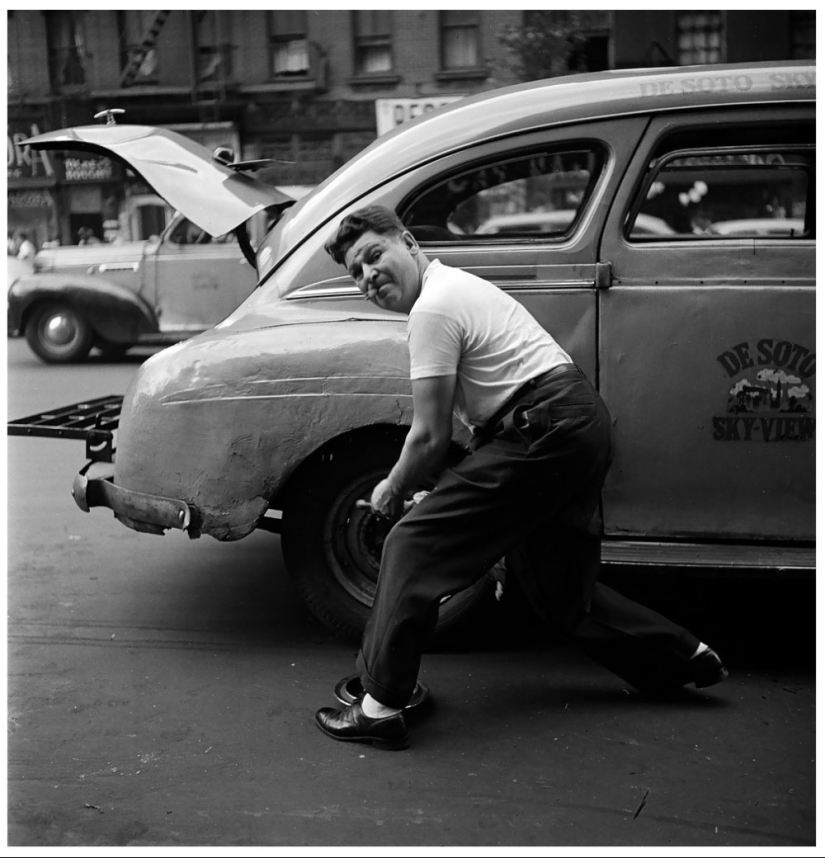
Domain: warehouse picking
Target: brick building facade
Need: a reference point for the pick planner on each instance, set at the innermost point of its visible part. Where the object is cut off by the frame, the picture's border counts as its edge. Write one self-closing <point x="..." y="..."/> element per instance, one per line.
<point x="308" y="89"/>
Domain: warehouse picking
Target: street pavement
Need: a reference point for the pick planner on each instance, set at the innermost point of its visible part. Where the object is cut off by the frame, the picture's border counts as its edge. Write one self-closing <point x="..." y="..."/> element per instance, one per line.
<point x="161" y="692"/>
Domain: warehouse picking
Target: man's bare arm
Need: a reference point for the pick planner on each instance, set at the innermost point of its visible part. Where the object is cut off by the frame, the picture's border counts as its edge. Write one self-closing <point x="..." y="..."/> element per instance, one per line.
<point x="425" y="446"/>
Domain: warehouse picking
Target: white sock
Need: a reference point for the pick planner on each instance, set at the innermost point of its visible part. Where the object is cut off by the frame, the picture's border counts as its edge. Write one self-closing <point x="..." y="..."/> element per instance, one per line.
<point x="700" y="649"/>
<point x="373" y="709"/>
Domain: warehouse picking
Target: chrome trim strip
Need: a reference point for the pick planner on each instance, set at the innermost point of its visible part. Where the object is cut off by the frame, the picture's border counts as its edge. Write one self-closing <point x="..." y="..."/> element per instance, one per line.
<point x="503" y="283"/>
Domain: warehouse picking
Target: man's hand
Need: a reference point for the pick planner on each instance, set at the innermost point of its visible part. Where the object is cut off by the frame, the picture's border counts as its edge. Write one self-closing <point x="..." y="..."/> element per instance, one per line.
<point x="385" y="501"/>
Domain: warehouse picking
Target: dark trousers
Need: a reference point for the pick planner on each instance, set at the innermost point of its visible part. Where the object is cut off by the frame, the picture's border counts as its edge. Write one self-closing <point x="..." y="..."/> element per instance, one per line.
<point x="530" y="492"/>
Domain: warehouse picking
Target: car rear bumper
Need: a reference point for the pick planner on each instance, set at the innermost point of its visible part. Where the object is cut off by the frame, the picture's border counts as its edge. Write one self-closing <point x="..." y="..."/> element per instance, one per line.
<point x="94" y="486"/>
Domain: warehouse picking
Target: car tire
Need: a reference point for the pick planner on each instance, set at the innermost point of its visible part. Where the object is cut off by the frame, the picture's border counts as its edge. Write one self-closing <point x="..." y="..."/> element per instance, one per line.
<point x="57" y="333"/>
<point x="332" y="548"/>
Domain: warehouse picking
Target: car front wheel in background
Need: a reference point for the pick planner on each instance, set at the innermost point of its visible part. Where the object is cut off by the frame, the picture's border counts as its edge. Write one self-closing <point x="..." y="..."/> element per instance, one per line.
<point x="332" y="547"/>
<point x="57" y="333"/>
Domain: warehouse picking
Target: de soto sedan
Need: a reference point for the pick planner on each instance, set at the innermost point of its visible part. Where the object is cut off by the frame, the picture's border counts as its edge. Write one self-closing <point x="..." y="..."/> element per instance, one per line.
<point x="700" y="339"/>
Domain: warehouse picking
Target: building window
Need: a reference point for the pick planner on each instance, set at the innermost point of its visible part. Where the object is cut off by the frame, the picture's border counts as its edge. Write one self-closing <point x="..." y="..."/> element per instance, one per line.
<point x="288" y="43"/>
<point x="213" y="52"/>
<point x="68" y="57"/>
<point x="373" y="41"/>
<point x="593" y="54"/>
<point x="803" y="35"/>
<point x="138" y="31"/>
<point x="699" y="37"/>
<point x="214" y="62"/>
<point x="459" y="40"/>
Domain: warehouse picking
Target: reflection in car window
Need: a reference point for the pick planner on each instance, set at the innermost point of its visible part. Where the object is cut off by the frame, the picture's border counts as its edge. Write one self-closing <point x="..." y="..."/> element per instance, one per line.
<point x="755" y="192"/>
<point x="187" y="233"/>
<point x="538" y="194"/>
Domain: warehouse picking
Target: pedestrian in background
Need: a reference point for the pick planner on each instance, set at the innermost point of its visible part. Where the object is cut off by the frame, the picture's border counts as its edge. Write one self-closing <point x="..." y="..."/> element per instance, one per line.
<point x="26" y="250"/>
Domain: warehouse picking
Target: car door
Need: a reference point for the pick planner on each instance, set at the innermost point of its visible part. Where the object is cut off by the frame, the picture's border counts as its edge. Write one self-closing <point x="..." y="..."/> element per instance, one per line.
<point x="558" y="180"/>
<point x="197" y="280"/>
<point x="706" y="334"/>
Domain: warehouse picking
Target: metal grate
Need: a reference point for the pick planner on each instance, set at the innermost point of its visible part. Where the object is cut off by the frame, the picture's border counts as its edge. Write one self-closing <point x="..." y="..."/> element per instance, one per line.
<point x="71" y="421"/>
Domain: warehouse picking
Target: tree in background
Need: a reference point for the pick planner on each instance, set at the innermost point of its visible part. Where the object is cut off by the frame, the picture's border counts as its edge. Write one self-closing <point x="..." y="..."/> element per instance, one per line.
<point x="549" y="44"/>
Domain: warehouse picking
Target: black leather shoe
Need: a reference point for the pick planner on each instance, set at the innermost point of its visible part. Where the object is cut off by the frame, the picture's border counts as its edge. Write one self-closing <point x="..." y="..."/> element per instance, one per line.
<point x="352" y="725"/>
<point x="704" y="669"/>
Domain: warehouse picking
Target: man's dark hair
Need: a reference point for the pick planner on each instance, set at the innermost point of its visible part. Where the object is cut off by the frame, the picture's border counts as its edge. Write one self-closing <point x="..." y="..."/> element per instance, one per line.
<point x="378" y="219"/>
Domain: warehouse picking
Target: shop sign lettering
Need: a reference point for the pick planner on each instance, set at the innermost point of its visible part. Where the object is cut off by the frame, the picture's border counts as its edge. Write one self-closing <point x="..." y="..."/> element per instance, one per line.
<point x="772" y="398"/>
<point x="33" y="198"/>
<point x="391" y="112"/>
<point x="88" y="169"/>
<point x="23" y="161"/>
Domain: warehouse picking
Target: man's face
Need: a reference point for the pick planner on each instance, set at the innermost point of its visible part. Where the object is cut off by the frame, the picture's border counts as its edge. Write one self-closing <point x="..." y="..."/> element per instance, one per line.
<point x="385" y="269"/>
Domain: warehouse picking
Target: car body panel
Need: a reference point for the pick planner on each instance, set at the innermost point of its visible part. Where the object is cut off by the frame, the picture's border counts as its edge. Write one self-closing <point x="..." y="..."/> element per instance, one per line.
<point x="185" y="174"/>
<point x="222" y="422"/>
<point x="697" y="456"/>
<point x="82" y="257"/>
<point x="196" y="286"/>
<point x="252" y="406"/>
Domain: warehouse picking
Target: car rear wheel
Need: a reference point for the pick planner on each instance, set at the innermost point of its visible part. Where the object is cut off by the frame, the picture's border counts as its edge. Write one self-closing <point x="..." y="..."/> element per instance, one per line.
<point x="57" y="333"/>
<point x="333" y="548"/>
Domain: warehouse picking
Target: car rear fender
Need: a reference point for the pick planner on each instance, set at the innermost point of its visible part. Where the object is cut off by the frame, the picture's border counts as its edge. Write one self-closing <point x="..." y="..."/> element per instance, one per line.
<point x="116" y="313"/>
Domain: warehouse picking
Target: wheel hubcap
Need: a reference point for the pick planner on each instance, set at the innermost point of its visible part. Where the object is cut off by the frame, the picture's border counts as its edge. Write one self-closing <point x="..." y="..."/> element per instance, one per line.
<point x="60" y="329"/>
<point x="354" y="542"/>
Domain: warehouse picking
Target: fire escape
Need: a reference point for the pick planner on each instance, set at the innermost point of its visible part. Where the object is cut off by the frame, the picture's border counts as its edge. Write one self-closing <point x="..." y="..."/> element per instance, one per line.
<point x="140" y="53"/>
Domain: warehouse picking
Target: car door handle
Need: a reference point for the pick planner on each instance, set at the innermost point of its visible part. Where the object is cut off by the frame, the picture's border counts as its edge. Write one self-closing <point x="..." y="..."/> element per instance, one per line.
<point x="604" y="275"/>
<point x="114" y="266"/>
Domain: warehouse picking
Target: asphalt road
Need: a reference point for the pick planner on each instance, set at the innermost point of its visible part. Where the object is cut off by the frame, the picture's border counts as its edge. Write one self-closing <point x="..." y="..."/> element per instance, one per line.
<point x="161" y="693"/>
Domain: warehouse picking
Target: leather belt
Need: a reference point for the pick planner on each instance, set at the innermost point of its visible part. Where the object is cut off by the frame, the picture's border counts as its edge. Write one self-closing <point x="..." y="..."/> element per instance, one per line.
<point x="488" y="429"/>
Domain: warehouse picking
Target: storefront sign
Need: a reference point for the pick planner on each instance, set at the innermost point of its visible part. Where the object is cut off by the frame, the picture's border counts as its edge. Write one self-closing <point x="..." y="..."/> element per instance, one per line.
<point x="23" y="161"/>
<point x="30" y="198"/>
<point x="88" y="169"/>
<point x="390" y="112"/>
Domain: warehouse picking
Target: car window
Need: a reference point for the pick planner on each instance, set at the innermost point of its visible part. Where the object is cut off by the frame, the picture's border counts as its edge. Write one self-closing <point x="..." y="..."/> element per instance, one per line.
<point x="187" y="232"/>
<point x="755" y="192"/>
<point x="527" y="195"/>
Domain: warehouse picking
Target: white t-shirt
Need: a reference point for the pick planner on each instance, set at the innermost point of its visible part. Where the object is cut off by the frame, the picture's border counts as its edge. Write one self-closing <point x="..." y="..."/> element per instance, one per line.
<point x="464" y="325"/>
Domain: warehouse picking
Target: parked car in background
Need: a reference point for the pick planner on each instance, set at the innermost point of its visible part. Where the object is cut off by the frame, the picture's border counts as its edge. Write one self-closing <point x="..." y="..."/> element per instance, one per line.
<point x="118" y="295"/>
<point x="292" y="408"/>
<point x="778" y="226"/>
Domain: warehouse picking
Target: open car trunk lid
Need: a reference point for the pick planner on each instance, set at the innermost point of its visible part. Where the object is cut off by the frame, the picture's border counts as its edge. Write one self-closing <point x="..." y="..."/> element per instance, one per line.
<point x="215" y="197"/>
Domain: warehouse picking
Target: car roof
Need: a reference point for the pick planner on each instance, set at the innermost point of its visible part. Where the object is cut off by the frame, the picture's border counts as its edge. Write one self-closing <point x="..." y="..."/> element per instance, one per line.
<point x="538" y="104"/>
